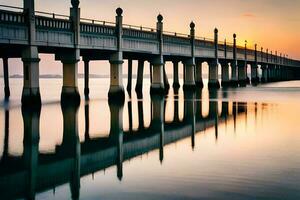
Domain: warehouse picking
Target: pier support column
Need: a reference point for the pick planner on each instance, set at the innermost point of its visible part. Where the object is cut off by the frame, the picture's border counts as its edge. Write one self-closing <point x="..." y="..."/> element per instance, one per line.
<point x="242" y="76"/>
<point x="70" y="61"/>
<point x="6" y="78"/>
<point x="213" y="81"/>
<point x="176" y="84"/>
<point x="140" y="77"/>
<point x="254" y="69"/>
<point x="225" y="74"/>
<point x="31" y="88"/>
<point x="264" y="75"/>
<point x="116" y="90"/>
<point x="157" y="85"/>
<point x="189" y="75"/>
<point x="254" y="74"/>
<point x="233" y="65"/>
<point x="86" y="78"/>
<point x="198" y="75"/>
<point x="166" y="81"/>
<point x="129" y="79"/>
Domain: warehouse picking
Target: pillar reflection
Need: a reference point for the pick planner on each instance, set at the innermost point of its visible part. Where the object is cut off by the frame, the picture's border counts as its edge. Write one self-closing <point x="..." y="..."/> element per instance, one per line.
<point x="189" y="114"/>
<point x="157" y="123"/>
<point x="116" y="134"/>
<point x="71" y="147"/>
<point x="31" y="120"/>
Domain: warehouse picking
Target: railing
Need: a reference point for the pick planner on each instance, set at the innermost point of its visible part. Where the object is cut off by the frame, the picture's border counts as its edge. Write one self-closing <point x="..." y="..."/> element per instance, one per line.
<point x="11" y="17"/>
<point x="181" y="39"/>
<point x="97" y="28"/>
<point x="142" y="33"/>
<point x="53" y="23"/>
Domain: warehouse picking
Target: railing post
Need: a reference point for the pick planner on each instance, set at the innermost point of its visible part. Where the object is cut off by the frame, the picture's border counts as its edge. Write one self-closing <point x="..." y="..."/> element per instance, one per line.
<point x="234" y="64"/>
<point x="157" y="85"/>
<point x="225" y="68"/>
<point x="213" y="81"/>
<point x="116" y="90"/>
<point x="189" y="64"/>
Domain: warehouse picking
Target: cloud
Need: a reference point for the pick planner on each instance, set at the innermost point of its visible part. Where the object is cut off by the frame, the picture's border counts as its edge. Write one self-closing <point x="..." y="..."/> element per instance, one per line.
<point x="248" y="15"/>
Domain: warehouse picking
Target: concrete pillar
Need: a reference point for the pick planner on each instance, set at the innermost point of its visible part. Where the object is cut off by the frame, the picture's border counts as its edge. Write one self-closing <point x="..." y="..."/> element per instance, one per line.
<point x="225" y="68"/>
<point x="6" y="78"/>
<point x="213" y="81"/>
<point x="254" y="67"/>
<point x="116" y="90"/>
<point x="157" y="86"/>
<point x="189" y="73"/>
<point x="86" y="78"/>
<point x="87" y="121"/>
<point x="157" y="123"/>
<point x="140" y="77"/>
<point x="176" y="84"/>
<point x="166" y="81"/>
<point x="198" y="75"/>
<point x="264" y="75"/>
<point x="129" y="79"/>
<point x="141" y="115"/>
<point x="199" y="104"/>
<point x="69" y="59"/>
<point x="151" y="73"/>
<point x="116" y="133"/>
<point x="225" y="74"/>
<point x="31" y="88"/>
<point x="242" y="67"/>
<point x="176" y="109"/>
<point x="31" y="120"/>
<point x="233" y="64"/>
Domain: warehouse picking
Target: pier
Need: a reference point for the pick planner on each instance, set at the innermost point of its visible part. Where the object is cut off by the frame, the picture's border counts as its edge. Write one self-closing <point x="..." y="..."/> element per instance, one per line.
<point x="25" y="33"/>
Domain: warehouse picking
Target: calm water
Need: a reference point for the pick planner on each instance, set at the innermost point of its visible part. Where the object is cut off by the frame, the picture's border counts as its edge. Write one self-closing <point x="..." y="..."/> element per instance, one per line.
<point x="239" y="143"/>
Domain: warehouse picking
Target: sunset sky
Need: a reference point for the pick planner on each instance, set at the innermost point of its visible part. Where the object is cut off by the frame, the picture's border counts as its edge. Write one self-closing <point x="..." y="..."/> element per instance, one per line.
<point x="273" y="24"/>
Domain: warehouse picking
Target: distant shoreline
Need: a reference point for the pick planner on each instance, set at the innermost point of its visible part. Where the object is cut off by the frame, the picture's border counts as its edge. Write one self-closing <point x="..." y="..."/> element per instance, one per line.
<point x="93" y="76"/>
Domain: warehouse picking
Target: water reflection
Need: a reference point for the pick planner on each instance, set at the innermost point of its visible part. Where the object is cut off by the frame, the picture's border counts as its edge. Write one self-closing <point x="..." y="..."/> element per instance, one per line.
<point x="34" y="171"/>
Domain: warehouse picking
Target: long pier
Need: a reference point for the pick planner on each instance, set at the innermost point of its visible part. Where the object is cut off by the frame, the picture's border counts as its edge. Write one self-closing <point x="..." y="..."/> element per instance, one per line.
<point x="24" y="33"/>
<point x="23" y="176"/>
